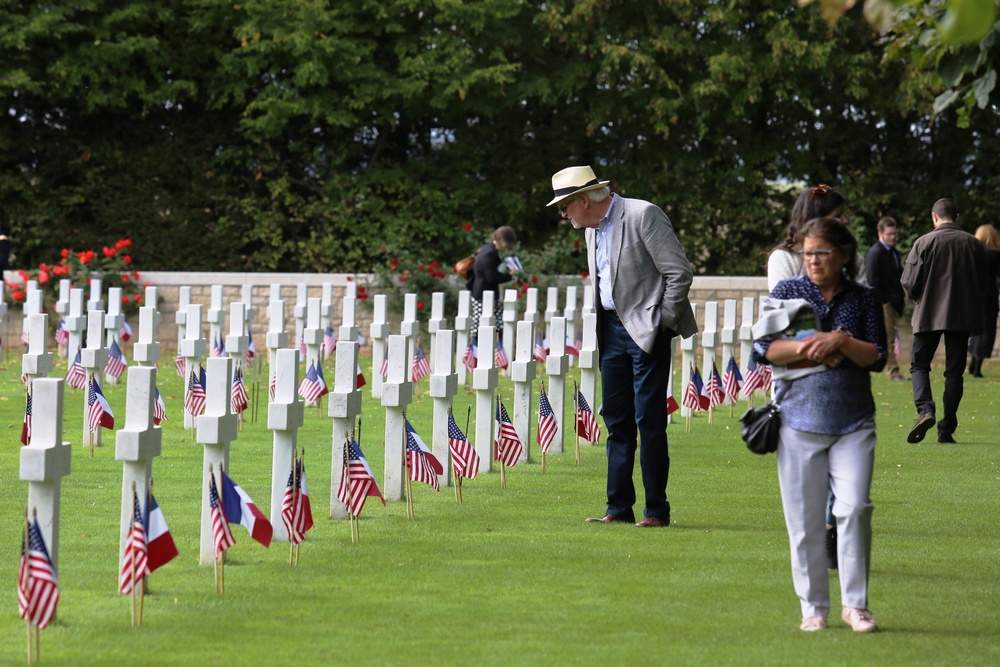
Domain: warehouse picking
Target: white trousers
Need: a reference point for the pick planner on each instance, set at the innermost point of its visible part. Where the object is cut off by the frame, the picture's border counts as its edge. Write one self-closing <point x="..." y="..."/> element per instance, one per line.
<point x="809" y="466"/>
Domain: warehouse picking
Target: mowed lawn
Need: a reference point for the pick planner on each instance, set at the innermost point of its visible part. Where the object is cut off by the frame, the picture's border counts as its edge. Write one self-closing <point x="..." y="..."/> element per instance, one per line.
<point x="514" y="576"/>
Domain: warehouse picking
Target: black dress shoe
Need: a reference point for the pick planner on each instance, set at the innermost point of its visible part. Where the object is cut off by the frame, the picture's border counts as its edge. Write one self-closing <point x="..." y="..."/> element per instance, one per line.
<point x="946" y="439"/>
<point x="611" y="518"/>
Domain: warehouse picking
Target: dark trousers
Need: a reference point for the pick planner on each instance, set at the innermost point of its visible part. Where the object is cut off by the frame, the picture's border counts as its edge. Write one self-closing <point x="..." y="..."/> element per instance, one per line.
<point x="634" y="387"/>
<point x="925" y="344"/>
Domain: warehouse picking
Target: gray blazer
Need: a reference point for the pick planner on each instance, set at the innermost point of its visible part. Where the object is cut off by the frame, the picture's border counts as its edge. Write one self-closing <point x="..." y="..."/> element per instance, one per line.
<point x="650" y="274"/>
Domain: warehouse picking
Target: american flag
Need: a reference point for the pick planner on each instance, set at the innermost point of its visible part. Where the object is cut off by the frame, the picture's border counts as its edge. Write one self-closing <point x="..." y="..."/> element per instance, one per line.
<point x="471" y="355"/>
<point x="194" y="400"/>
<point x="26" y="426"/>
<point x="26" y="339"/>
<point x="754" y="379"/>
<point x="272" y="386"/>
<point x="692" y="393"/>
<point x="384" y="371"/>
<point x="732" y="380"/>
<point x="329" y="340"/>
<point x="358" y="481"/>
<point x="62" y="334"/>
<point x="251" y="352"/>
<point x="713" y="388"/>
<point x="222" y="536"/>
<point x="586" y="423"/>
<point x="302" y="347"/>
<point x="116" y="361"/>
<point x="547" y="424"/>
<point x="218" y="347"/>
<point x="573" y="347"/>
<point x="508" y="445"/>
<point x="419" y="368"/>
<point x="423" y="465"/>
<point x="134" y="562"/>
<point x="159" y="408"/>
<point x="179" y="364"/>
<point x="766" y="377"/>
<point x="313" y="385"/>
<point x="293" y="513"/>
<point x="240" y="397"/>
<point x="76" y="376"/>
<point x="500" y="356"/>
<point x="540" y="353"/>
<point x="897" y="345"/>
<point x="462" y="451"/>
<point x="37" y="586"/>
<point x="125" y="332"/>
<point x="100" y="412"/>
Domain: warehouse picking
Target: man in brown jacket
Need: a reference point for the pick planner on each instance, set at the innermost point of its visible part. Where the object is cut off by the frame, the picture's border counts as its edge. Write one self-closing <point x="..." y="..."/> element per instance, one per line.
<point x="944" y="275"/>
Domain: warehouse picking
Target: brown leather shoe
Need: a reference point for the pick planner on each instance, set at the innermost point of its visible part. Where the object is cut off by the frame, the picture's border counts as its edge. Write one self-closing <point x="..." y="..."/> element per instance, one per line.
<point x="652" y="522"/>
<point x="609" y="518"/>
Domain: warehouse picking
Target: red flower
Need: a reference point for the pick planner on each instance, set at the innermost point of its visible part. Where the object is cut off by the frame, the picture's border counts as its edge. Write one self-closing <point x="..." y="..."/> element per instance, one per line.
<point x="138" y="299"/>
<point x="534" y="279"/>
<point x="349" y="278"/>
<point x="125" y="298"/>
<point x="394" y="263"/>
<point x="434" y="263"/>
<point x="85" y="256"/>
<point x="43" y="277"/>
<point x="467" y="226"/>
<point x="17" y="295"/>
<point x="135" y="274"/>
<point x="127" y="259"/>
<point x="124" y="279"/>
<point x="109" y="252"/>
<point x="65" y="253"/>
<point x="23" y="274"/>
<point x="420" y="304"/>
<point x="585" y="274"/>
<point x="576" y="244"/>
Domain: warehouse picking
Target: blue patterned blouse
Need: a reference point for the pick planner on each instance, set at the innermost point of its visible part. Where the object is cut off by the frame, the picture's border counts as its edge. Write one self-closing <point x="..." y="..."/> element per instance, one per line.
<point x="838" y="400"/>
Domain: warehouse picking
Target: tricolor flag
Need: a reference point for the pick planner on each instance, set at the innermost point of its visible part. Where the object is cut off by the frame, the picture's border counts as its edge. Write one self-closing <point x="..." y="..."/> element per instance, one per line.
<point x="313" y="385"/>
<point x="462" y="452"/>
<point x="541" y="353"/>
<point x="547" y="424"/>
<point x="693" y="398"/>
<point x="713" y="388"/>
<point x="508" y="446"/>
<point x="218" y="347"/>
<point x="360" y="340"/>
<point x="672" y="406"/>
<point x="419" y="368"/>
<point x="159" y="408"/>
<point x="329" y="340"/>
<point x="125" y="332"/>
<point x="76" y="376"/>
<point x="358" y="481"/>
<point x="573" y="347"/>
<point x="500" y="356"/>
<point x="194" y="400"/>
<point x="160" y="547"/>
<point x="360" y="377"/>
<point x="469" y="359"/>
<point x="241" y="509"/>
<point x="116" y="361"/>
<point x="251" y="352"/>
<point x="134" y="562"/>
<point x="222" y="536"/>
<point x="99" y="411"/>
<point x="26" y="426"/>
<point x="37" y="586"/>
<point x="732" y="380"/>
<point x="586" y="423"/>
<point x="423" y="465"/>
<point x="239" y="397"/>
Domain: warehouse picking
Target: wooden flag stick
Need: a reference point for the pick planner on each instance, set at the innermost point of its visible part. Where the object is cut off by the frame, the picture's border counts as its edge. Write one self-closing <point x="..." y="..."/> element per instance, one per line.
<point x="409" y="498"/>
<point x="503" y="475"/>
<point x="688" y="423"/>
<point x="543" y="462"/>
<point x="576" y="407"/>
<point x="27" y="571"/>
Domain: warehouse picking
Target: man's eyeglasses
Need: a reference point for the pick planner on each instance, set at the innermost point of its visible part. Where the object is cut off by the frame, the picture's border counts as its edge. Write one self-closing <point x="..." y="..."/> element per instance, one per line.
<point x="562" y="207"/>
<point x="813" y="254"/>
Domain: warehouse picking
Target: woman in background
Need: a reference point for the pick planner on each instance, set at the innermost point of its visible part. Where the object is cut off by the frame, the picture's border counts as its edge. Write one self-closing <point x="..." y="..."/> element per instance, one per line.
<point x="981" y="345"/>
<point x="489" y="272"/>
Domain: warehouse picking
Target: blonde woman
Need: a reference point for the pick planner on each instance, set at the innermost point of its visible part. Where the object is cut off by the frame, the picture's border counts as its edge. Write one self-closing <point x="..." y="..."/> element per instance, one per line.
<point x="981" y="345"/>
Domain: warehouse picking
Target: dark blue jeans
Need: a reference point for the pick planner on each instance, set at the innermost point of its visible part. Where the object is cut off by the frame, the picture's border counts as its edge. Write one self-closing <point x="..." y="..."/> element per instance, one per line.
<point x="634" y="387"/>
<point x="925" y="344"/>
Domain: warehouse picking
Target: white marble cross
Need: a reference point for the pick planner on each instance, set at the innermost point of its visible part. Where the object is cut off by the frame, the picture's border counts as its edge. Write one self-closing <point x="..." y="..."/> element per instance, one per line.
<point x="299" y="310"/>
<point x="276" y="337"/>
<point x="728" y="338"/>
<point x="410" y="326"/>
<point x="435" y="324"/>
<point x="484" y="382"/>
<point x="93" y="358"/>
<point x="397" y="394"/>
<point x="136" y="444"/>
<point x="216" y="317"/>
<point x="62" y="309"/>
<point x="94" y="301"/>
<point x="689" y="347"/>
<point x="522" y="372"/>
<point x="463" y="320"/>
<point x="444" y="386"/>
<point x="76" y="323"/>
<point x="379" y="334"/>
<point x="588" y="358"/>
<point x="556" y="366"/>
<point x="344" y="405"/>
<point x="746" y="337"/>
<point x="312" y="334"/>
<point x="551" y="307"/>
<point x="193" y="349"/>
<point x="569" y="312"/>
<point x="284" y="418"/>
<point x="709" y="339"/>
<point x="180" y="317"/>
<point x="237" y="340"/>
<point x="46" y="460"/>
<point x="217" y="428"/>
<point x="509" y="317"/>
<point x="37" y="361"/>
<point x="147" y="349"/>
<point x="588" y="299"/>
<point x="487" y="318"/>
<point x="113" y="321"/>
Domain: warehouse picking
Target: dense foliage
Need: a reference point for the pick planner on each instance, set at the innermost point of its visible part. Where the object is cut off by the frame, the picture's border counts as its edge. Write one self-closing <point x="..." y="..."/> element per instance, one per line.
<point x="311" y="135"/>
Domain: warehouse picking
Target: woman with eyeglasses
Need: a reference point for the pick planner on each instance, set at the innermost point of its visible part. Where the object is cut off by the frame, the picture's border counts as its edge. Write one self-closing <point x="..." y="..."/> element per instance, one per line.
<point x="827" y="440"/>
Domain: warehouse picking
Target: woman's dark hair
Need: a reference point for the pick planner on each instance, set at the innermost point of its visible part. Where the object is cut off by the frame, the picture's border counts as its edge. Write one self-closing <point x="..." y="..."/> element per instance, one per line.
<point x="505" y="235"/>
<point x="816" y="202"/>
<point x="837" y="234"/>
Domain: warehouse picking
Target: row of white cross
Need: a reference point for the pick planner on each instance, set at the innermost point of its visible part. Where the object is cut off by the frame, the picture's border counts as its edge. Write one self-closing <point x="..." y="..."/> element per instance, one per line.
<point x="47" y="458"/>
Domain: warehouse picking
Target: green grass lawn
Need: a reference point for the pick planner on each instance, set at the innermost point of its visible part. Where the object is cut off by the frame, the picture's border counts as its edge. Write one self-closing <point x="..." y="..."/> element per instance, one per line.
<point x="514" y="576"/>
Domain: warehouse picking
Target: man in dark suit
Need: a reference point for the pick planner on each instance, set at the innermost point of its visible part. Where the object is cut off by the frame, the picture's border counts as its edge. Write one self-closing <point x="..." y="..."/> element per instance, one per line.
<point x="641" y="279"/>
<point x="944" y="275"/>
<point x="885" y="267"/>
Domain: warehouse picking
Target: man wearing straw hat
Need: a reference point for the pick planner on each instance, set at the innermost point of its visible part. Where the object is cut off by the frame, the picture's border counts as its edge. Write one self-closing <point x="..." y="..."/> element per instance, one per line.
<point x="641" y="277"/>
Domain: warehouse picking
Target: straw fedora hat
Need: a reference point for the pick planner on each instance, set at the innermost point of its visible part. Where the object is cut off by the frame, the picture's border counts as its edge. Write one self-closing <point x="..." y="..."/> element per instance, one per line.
<point x="572" y="181"/>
